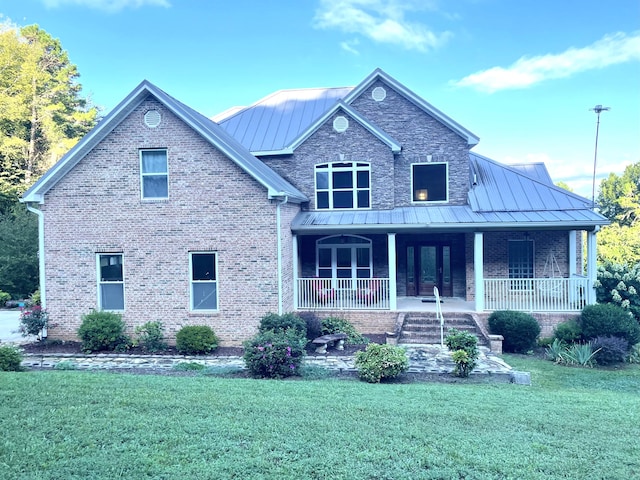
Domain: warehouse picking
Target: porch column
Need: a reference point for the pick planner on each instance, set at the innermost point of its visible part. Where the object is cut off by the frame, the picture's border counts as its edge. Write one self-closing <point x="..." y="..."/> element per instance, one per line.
<point x="478" y="268"/>
<point x="573" y="253"/>
<point x="592" y="271"/>
<point x="294" y="249"/>
<point x="393" y="287"/>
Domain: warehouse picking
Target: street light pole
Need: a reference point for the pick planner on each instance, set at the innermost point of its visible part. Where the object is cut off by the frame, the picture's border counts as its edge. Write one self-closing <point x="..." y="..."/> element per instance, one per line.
<point x="598" y="109"/>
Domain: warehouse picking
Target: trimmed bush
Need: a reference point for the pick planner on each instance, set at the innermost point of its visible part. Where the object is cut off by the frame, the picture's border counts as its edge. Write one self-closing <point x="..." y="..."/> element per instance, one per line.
<point x="609" y="320"/>
<point x="283" y="323"/>
<point x="381" y="362"/>
<point x="568" y="332"/>
<point x="4" y="298"/>
<point x="610" y="350"/>
<point x="150" y="337"/>
<point x="464" y="346"/>
<point x="341" y="325"/>
<point x="314" y="324"/>
<point x="273" y="354"/>
<point x="520" y="330"/>
<point x="196" y="339"/>
<point x="10" y="359"/>
<point x="103" y="331"/>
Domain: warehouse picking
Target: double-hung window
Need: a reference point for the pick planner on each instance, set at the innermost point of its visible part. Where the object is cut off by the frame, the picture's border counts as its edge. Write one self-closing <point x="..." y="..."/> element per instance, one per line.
<point x="343" y="185"/>
<point x="110" y="281"/>
<point x="521" y="261"/>
<point x="204" y="281"/>
<point x="429" y="182"/>
<point x="154" y="174"/>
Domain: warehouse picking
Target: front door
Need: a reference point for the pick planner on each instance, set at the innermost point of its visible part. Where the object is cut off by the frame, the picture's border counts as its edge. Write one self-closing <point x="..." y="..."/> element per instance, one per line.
<point x="429" y="266"/>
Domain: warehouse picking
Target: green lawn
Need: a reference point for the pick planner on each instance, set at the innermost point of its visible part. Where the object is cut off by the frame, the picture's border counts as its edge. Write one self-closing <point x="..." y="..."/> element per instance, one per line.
<point x="571" y="423"/>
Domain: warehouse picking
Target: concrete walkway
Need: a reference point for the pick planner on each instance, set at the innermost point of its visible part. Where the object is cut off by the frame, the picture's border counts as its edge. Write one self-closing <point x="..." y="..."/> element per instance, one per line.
<point x="9" y="324"/>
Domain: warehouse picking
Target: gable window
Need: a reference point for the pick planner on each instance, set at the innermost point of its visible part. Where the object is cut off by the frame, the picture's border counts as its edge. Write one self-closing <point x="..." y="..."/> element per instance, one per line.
<point x="429" y="182"/>
<point x="344" y="257"/>
<point x="154" y="174"/>
<point x="110" y="282"/>
<point x="203" y="280"/>
<point x="343" y="185"/>
<point x="521" y="263"/>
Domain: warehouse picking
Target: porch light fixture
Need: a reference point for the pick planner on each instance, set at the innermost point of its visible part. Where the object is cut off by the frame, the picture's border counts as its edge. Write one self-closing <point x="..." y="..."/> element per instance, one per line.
<point x="422" y="194"/>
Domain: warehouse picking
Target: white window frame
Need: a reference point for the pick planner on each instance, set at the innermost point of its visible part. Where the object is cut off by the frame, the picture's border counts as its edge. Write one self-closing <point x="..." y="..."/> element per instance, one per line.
<point x="522" y="282"/>
<point x="353" y="168"/>
<point x="422" y="202"/>
<point x="322" y="243"/>
<point x="101" y="282"/>
<point x="153" y="174"/>
<point x="193" y="282"/>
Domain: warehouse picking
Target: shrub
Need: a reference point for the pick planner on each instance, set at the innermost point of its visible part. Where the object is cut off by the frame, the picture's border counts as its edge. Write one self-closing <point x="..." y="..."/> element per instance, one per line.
<point x="609" y="320"/>
<point x="634" y="354"/>
<point x="568" y="332"/>
<point x="4" y="298"/>
<point x="10" y="359"/>
<point x="314" y="324"/>
<point x="341" y="325"/>
<point x="556" y="350"/>
<point x="35" y="297"/>
<point x="282" y="323"/>
<point x="464" y="346"/>
<point x="519" y="330"/>
<point x="151" y="337"/>
<point x="610" y="350"/>
<point x="581" y="354"/>
<point x="33" y="320"/>
<point x="378" y="362"/>
<point x="196" y="339"/>
<point x="273" y="354"/>
<point x="102" y="331"/>
<point x="620" y="285"/>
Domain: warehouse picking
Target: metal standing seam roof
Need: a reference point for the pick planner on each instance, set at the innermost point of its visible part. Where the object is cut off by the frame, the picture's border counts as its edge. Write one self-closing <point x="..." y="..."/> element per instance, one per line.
<point x="274" y="122"/>
<point x="212" y="132"/>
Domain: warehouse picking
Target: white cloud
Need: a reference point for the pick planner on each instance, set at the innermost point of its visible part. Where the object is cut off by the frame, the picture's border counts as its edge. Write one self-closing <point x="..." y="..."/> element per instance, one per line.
<point x="527" y="71"/>
<point x="382" y="21"/>
<point x="107" y="5"/>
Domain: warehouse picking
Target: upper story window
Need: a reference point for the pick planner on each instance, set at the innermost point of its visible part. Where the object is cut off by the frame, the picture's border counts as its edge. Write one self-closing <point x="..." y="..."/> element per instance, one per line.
<point x="154" y="174"/>
<point x="343" y="185"/>
<point x="429" y="182"/>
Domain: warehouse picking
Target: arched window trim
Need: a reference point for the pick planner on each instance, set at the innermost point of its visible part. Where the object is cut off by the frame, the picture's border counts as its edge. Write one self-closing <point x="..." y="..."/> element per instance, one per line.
<point x="354" y="268"/>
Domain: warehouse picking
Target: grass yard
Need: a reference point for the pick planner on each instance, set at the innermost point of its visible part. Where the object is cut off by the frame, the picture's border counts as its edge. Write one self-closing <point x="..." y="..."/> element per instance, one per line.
<point x="572" y="423"/>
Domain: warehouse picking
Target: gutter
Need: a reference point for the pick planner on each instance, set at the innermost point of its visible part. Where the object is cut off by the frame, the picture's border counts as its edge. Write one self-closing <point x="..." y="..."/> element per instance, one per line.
<point x="42" y="278"/>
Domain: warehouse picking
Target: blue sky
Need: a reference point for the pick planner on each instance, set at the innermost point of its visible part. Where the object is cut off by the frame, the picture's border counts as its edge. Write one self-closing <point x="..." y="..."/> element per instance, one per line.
<point x="520" y="74"/>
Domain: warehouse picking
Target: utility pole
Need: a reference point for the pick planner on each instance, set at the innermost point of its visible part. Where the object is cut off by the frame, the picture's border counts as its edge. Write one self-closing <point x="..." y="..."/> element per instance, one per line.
<point x="598" y="109"/>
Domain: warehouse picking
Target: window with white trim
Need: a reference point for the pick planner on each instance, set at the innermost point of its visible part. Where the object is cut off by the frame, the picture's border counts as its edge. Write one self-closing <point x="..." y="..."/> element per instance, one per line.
<point x="344" y="256"/>
<point x="521" y="263"/>
<point x="343" y="185"/>
<point x="429" y="182"/>
<point x="154" y="174"/>
<point x="203" y="280"/>
<point x="110" y="281"/>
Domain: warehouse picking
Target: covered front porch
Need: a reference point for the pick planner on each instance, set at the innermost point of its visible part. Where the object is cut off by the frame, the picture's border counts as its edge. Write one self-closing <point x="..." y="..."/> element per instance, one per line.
<point x="473" y="271"/>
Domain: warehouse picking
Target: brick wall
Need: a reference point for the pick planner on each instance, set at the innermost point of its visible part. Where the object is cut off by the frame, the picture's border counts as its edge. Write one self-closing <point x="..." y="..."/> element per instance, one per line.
<point x="213" y="205"/>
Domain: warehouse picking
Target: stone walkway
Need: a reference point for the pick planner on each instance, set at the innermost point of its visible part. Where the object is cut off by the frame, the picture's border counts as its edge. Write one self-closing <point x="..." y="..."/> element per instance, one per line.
<point x="423" y="359"/>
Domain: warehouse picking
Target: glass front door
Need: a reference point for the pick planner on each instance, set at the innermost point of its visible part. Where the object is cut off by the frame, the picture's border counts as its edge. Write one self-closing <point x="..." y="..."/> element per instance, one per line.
<point x="429" y="266"/>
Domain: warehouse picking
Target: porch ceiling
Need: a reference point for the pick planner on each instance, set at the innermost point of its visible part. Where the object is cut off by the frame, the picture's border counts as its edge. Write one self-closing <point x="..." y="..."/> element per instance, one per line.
<point x="443" y="218"/>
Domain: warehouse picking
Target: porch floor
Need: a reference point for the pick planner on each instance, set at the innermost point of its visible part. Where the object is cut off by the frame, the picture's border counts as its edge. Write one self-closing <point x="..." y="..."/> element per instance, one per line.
<point x="449" y="304"/>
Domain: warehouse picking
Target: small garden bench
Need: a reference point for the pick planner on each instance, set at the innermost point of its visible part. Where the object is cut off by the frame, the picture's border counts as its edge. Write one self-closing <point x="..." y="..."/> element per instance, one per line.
<point x="329" y="340"/>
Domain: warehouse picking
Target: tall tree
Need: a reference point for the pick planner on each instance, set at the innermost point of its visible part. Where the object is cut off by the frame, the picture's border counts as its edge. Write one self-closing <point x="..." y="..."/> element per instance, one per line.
<point x="42" y="113"/>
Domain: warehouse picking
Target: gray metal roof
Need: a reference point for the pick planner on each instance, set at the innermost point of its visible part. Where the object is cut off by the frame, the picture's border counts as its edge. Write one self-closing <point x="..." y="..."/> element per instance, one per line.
<point x="273" y="123"/>
<point x="276" y="186"/>
<point x="500" y="188"/>
<point x="536" y="170"/>
<point x="440" y="218"/>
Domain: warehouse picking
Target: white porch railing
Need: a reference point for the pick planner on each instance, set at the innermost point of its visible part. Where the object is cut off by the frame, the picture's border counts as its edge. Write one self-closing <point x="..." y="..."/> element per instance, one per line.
<point x="536" y="294"/>
<point x="343" y="294"/>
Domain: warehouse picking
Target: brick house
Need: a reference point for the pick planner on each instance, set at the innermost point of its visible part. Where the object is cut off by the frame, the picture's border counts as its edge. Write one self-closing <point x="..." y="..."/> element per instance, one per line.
<point x="354" y="200"/>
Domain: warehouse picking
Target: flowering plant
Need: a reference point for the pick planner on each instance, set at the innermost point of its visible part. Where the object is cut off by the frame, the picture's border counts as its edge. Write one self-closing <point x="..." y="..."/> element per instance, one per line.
<point x="33" y="320"/>
<point x="274" y="354"/>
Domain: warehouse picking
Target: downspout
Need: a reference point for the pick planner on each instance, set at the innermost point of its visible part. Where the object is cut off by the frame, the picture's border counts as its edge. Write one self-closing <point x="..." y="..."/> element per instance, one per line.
<point x="43" y="291"/>
<point x="279" y="247"/>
